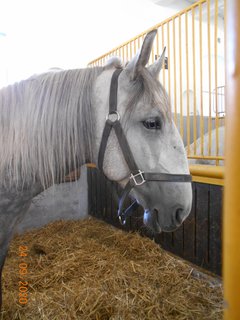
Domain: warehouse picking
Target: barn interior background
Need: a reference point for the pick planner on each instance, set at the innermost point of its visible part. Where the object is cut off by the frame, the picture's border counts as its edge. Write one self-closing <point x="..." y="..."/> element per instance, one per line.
<point x="194" y="78"/>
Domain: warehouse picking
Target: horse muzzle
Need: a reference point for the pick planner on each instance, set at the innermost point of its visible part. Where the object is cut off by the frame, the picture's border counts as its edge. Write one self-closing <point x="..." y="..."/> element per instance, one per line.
<point x="153" y="219"/>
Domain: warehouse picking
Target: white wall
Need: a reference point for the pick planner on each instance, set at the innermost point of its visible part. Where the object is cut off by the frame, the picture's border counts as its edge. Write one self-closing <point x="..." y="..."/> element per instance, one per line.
<point x="67" y="33"/>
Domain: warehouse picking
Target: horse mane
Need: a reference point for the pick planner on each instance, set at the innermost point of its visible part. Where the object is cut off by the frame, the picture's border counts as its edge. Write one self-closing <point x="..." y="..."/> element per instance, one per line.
<point x="46" y="122"/>
<point x="40" y="115"/>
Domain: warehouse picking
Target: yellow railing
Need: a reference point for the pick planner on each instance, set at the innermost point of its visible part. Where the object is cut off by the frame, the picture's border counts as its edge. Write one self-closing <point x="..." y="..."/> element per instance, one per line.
<point x="193" y="74"/>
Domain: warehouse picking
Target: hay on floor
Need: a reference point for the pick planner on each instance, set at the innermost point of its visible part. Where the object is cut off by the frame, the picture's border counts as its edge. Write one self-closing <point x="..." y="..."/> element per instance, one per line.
<point x="90" y="270"/>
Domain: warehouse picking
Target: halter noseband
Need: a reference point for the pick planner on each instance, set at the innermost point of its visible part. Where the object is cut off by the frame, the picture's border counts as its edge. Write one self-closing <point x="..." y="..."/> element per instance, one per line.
<point x="137" y="177"/>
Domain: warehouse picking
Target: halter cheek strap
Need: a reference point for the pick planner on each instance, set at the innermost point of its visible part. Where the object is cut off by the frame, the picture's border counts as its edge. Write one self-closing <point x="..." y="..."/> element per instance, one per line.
<point x="113" y="122"/>
<point x="137" y="177"/>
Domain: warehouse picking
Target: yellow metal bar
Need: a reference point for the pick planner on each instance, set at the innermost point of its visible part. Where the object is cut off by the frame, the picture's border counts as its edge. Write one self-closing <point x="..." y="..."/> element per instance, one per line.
<point x="206" y="157"/>
<point x="207" y="174"/>
<point x="180" y="74"/>
<point x="201" y="79"/>
<point x="91" y="165"/>
<point x="194" y="84"/>
<point x="169" y="66"/>
<point x="207" y="171"/>
<point x="138" y="42"/>
<point x="207" y="180"/>
<point x="174" y="71"/>
<point x="122" y="54"/>
<point x="164" y="63"/>
<point x="210" y="80"/>
<point x="157" y="38"/>
<point x="216" y="74"/>
<point x="131" y="51"/>
<point x="134" y="48"/>
<point x="152" y="53"/>
<point x="126" y="51"/>
<point x="187" y="80"/>
<point x="231" y="234"/>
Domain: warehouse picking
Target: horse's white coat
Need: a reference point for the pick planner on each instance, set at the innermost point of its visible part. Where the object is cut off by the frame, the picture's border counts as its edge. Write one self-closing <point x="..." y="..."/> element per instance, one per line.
<point x="52" y="124"/>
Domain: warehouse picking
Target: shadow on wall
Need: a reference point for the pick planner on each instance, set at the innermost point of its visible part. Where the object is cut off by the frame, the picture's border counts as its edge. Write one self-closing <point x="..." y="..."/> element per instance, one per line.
<point x="66" y="201"/>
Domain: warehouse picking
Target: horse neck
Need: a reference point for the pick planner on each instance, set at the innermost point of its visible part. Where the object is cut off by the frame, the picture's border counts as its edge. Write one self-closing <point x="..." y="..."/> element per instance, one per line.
<point x="56" y="122"/>
<point x="84" y="123"/>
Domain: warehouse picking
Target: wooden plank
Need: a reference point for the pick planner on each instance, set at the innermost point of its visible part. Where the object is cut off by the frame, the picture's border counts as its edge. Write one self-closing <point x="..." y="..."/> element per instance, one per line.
<point x="89" y="183"/>
<point x="159" y="239"/>
<point x="102" y="186"/>
<point x="108" y="215"/>
<point x="165" y="239"/>
<point x="129" y="221"/>
<point x="139" y="218"/>
<point x="114" y="218"/>
<point x="177" y="241"/>
<point x="168" y="241"/>
<point x="107" y="204"/>
<point x="189" y="230"/>
<point x="215" y="234"/>
<point x="202" y="224"/>
<point x="93" y="192"/>
<point x="127" y="225"/>
<point x="112" y="202"/>
<point x="98" y="194"/>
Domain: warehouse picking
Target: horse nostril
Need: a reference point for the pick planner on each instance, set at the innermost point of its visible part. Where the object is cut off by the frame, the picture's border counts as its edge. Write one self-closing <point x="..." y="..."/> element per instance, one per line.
<point x="179" y="215"/>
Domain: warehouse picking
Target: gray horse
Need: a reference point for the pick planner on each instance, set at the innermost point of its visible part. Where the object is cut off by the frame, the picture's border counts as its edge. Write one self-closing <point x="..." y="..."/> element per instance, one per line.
<point x="51" y="124"/>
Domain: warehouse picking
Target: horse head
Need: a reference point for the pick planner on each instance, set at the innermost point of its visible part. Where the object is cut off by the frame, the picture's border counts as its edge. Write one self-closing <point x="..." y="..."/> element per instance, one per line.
<point x="144" y="114"/>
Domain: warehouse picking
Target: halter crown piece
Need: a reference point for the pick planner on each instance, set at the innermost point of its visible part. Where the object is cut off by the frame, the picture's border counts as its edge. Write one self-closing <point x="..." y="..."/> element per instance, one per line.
<point x="137" y="177"/>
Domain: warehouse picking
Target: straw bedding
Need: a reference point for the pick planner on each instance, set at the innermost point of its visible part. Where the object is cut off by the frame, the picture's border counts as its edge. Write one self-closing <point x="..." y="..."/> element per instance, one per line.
<point x="89" y="270"/>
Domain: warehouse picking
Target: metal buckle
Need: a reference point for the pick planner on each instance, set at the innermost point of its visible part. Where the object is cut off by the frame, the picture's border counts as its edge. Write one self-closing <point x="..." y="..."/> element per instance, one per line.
<point x="137" y="176"/>
<point x="115" y="115"/>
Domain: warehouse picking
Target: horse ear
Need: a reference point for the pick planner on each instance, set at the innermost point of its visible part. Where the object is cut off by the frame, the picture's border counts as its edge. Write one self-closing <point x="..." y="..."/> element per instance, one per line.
<point x="156" y="67"/>
<point x="141" y="59"/>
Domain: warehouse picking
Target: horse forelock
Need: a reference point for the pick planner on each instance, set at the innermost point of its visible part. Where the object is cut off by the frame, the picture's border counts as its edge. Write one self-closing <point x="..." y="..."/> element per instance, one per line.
<point x="46" y="126"/>
<point x="146" y="87"/>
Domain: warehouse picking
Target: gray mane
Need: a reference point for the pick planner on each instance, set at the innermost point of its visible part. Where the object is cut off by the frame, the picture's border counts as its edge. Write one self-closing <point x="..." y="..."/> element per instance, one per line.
<point x="43" y="114"/>
<point x="46" y="122"/>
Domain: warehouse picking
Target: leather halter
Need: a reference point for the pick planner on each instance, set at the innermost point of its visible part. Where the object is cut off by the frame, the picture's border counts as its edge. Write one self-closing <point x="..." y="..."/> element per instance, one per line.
<point x="137" y="177"/>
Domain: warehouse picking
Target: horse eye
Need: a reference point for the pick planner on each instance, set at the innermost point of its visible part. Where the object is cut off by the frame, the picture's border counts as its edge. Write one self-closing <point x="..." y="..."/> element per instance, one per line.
<point x="152" y="124"/>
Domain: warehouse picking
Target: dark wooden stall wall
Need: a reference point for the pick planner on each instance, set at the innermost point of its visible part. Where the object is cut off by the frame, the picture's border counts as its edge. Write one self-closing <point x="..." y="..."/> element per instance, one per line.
<point x="198" y="240"/>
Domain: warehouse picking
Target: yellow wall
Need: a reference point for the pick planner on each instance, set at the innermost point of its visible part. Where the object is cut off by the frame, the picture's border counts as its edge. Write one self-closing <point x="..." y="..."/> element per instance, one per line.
<point x="231" y="263"/>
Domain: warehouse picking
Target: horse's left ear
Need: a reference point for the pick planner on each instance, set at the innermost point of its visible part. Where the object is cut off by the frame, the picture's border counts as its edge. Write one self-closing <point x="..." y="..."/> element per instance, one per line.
<point x="156" y="67"/>
<point x="141" y="59"/>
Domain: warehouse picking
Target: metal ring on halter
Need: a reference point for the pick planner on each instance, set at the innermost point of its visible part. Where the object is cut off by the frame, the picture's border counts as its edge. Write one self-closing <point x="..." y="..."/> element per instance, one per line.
<point x="114" y="114"/>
